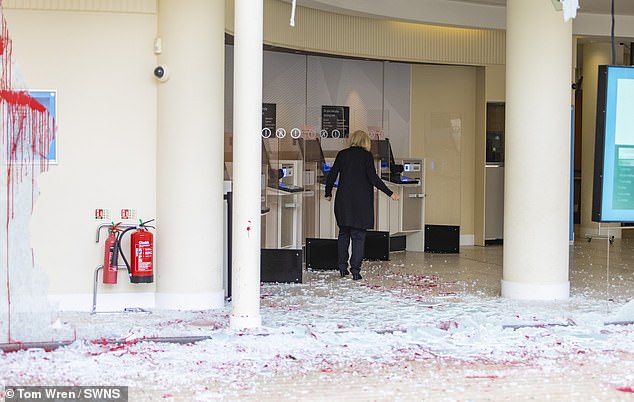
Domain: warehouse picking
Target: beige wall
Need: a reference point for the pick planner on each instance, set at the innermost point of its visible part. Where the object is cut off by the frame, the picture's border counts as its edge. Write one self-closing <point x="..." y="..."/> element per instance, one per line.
<point x="443" y="129"/>
<point x="496" y="83"/>
<point x="101" y="65"/>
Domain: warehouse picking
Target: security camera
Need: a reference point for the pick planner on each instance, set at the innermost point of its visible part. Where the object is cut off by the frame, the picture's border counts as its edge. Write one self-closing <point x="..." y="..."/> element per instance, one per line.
<point x="161" y="73"/>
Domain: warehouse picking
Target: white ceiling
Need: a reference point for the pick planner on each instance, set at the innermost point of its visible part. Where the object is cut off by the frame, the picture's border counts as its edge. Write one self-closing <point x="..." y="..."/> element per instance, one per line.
<point x="621" y="7"/>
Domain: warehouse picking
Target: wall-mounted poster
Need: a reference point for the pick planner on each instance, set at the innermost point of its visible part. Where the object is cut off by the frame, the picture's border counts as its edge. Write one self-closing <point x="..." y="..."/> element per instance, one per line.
<point x="613" y="194"/>
<point x="48" y="99"/>
<point x="30" y="120"/>
<point x="335" y="121"/>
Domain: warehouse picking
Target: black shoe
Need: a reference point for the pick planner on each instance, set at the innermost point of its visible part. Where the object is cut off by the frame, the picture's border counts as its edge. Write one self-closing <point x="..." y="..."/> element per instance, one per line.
<point x="356" y="277"/>
<point x="344" y="272"/>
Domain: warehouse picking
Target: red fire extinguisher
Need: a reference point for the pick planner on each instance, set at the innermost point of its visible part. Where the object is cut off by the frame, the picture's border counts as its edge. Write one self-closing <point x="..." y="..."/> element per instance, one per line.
<point x="141" y="266"/>
<point x="142" y="252"/>
<point x="110" y="265"/>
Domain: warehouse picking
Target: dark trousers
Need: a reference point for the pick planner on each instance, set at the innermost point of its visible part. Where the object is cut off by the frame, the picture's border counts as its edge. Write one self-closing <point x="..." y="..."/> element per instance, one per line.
<point x="358" y="244"/>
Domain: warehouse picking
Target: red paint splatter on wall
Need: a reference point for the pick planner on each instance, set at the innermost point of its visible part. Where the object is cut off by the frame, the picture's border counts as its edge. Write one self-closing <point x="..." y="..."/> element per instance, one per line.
<point x="27" y="132"/>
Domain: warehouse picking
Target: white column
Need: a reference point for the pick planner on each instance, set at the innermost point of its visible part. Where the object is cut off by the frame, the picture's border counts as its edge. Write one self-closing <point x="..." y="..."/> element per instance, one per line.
<point x="189" y="247"/>
<point x="247" y="156"/>
<point x="594" y="54"/>
<point x="537" y="151"/>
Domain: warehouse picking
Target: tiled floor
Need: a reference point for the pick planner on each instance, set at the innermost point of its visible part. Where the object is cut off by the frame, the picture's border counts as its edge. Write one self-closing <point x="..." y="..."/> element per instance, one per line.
<point x="419" y="327"/>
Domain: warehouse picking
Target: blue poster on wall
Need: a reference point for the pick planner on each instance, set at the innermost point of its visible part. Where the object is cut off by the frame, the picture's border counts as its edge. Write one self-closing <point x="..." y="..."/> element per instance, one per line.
<point x="48" y="99"/>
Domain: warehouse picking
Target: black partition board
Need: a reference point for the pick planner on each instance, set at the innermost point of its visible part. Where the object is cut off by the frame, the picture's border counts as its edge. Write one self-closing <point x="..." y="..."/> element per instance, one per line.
<point x="377" y="246"/>
<point x="322" y="253"/>
<point x="398" y="243"/>
<point x="281" y="265"/>
<point x="442" y="239"/>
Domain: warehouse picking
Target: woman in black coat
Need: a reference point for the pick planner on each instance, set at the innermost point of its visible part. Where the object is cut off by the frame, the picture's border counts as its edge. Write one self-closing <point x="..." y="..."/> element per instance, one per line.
<point x="354" y="202"/>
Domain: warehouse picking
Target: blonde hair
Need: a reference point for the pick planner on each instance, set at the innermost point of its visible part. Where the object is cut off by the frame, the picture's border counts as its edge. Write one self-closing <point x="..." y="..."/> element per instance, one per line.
<point x="360" y="139"/>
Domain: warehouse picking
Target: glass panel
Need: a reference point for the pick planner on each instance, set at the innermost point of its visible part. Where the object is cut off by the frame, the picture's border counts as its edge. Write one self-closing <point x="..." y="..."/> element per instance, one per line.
<point x="314" y="177"/>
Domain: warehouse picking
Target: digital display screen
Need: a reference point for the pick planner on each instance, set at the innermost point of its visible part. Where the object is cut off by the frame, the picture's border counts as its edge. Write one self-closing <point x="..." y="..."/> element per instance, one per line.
<point x="613" y="191"/>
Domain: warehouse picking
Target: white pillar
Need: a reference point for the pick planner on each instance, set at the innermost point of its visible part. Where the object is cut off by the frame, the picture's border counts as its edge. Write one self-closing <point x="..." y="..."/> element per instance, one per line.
<point x="537" y="151"/>
<point x="594" y="54"/>
<point x="247" y="156"/>
<point x="189" y="249"/>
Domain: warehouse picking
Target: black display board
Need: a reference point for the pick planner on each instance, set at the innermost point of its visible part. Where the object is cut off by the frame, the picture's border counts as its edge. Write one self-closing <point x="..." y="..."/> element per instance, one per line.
<point x="269" y="117"/>
<point x="335" y="120"/>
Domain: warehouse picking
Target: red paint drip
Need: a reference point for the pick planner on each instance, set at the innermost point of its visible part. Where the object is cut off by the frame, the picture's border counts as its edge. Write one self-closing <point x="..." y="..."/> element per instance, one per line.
<point x="446" y="325"/>
<point x="21" y="98"/>
<point x="626" y="389"/>
<point x="27" y="132"/>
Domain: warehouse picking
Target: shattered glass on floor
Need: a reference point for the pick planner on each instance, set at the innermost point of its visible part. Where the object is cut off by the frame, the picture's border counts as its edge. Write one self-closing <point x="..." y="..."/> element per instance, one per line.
<point x="417" y="327"/>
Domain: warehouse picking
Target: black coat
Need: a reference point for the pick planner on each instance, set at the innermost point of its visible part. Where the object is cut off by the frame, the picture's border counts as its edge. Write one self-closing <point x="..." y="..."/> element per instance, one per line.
<point x="354" y="203"/>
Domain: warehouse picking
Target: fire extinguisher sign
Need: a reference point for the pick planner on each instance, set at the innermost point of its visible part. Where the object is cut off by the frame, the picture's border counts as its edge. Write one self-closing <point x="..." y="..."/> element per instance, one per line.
<point x="128" y="214"/>
<point x="101" y="213"/>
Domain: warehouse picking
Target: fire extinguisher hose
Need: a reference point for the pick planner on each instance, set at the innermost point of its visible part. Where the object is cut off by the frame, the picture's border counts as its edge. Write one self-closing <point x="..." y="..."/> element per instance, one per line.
<point x="118" y="249"/>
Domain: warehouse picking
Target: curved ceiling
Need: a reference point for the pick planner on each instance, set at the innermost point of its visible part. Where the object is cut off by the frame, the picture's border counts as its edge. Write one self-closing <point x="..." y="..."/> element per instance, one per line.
<point x="593" y="18"/>
<point x="585" y="6"/>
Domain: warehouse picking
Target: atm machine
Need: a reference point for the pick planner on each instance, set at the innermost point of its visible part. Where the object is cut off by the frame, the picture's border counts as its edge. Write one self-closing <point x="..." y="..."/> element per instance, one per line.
<point x="406" y="217"/>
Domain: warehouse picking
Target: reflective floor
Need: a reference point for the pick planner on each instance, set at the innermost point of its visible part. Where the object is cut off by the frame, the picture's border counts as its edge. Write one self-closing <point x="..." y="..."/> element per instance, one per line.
<point x="419" y="327"/>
